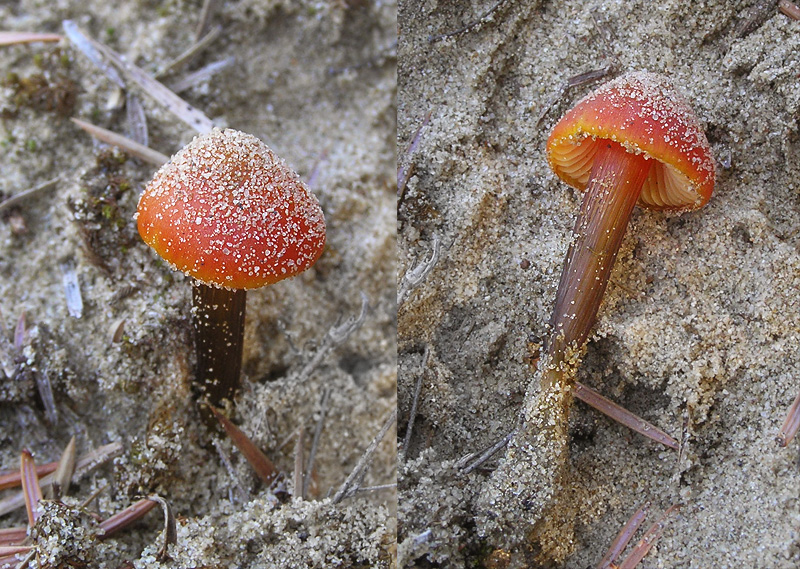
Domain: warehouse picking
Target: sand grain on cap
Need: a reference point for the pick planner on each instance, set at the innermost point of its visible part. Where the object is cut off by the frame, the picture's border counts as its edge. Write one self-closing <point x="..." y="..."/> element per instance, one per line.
<point x="228" y="212"/>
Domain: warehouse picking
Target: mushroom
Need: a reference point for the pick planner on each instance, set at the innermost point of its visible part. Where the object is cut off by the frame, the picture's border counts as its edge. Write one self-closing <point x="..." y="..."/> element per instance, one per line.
<point x="633" y="140"/>
<point x="229" y="213"/>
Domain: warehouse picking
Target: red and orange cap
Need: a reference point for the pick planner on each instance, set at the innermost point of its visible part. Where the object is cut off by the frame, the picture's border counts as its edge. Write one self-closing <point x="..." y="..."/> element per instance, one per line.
<point x="645" y="114"/>
<point x="228" y="212"/>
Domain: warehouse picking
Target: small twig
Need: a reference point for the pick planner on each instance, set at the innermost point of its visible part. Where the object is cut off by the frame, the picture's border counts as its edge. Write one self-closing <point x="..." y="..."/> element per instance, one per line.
<point x="92" y="496"/>
<point x="298" y="463"/>
<point x="323" y="412"/>
<point x="191" y="53"/>
<point x="126" y="144"/>
<point x="624" y="536"/>
<point x="161" y="94"/>
<point x="10" y="479"/>
<point x="378" y="488"/>
<point x="789" y="9"/>
<point x="17" y="38"/>
<point x="31" y="489"/>
<point x="205" y="16"/>
<point x="415" y="276"/>
<point x="17" y="198"/>
<point x="623" y="416"/>
<point x="204" y="73"/>
<point x="126" y="517"/>
<point x="335" y="336"/>
<point x="13" y="536"/>
<point x="86" y="463"/>
<point x="485" y="17"/>
<point x="413" y="413"/>
<point x="87" y="46"/>
<point x="349" y="487"/>
<point x="487" y="454"/>
<point x="226" y="461"/>
<point x="646" y="543"/>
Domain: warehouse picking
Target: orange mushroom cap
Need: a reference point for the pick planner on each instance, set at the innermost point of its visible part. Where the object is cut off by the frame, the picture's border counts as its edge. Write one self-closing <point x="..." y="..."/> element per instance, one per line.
<point x="645" y="114"/>
<point x="228" y="212"/>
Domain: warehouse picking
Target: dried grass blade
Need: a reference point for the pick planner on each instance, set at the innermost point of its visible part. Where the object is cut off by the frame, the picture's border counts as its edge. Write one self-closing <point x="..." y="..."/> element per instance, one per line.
<point x="13" y="478"/>
<point x="205" y="15"/>
<point x="92" y="459"/>
<point x="15" y="199"/>
<point x="30" y="486"/>
<point x="298" y="463"/>
<point x="7" y="551"/>
<point x="624" y="537"/>
<point x="17" y="38"/>
<point x="170" y="529"/>
<point x="87" y="46"/>
<point x="485" y="455"/>
<point x="177" y="106"/>
<point x="66" y="468"/>
<point x="13" y="536"/>
<point x="646" y="543"/>
<point x="20" y="333"/>
<point x="789" y="9"/>
<point x="190" y="80"/>
<point x="258" y="460"/>
<point x="350" y="486"/>
<point x="86" y="463"/>
<point x="192" y="52"/>
<point x="623" y="416"/>
<point x="791" y="424"/>
<point x="312" y="454"/>
<point x="126" y="517"/>
<point x="226" y="461"/>
<point x="412" y="415"/>
<point x="133" y="148"/>
<point x="336" y="336"/>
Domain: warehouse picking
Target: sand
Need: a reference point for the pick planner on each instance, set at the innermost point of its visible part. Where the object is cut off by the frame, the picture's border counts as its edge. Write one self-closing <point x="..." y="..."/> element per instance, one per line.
<point x="700" y="327"/>
<point x="317" y="83"/>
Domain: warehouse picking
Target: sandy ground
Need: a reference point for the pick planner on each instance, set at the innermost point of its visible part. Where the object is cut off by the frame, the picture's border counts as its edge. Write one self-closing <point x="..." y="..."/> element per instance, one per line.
<point x="700" y="327"/>
<point x="317" y="82"/>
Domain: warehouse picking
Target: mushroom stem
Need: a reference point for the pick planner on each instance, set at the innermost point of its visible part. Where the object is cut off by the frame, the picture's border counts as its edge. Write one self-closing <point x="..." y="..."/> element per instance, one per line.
<point x="615" y="183"/>
<point x="218" y="319"/>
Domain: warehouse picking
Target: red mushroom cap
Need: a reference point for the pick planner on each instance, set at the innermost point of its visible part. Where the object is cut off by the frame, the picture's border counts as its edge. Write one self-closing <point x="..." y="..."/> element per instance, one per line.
<point x="228" y="212"/>
<point x="645" y="114"/>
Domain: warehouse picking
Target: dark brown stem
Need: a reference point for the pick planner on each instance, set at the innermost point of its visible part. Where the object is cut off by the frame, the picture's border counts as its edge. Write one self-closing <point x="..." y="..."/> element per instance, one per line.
<point x="218" y="319"/>
<point x="615" y="184"/>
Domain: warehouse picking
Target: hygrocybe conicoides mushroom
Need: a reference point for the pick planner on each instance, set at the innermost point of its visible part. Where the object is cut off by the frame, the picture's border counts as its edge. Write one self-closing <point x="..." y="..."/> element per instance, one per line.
<point x="228" y="212"/>
<point x="633" y="140"/>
